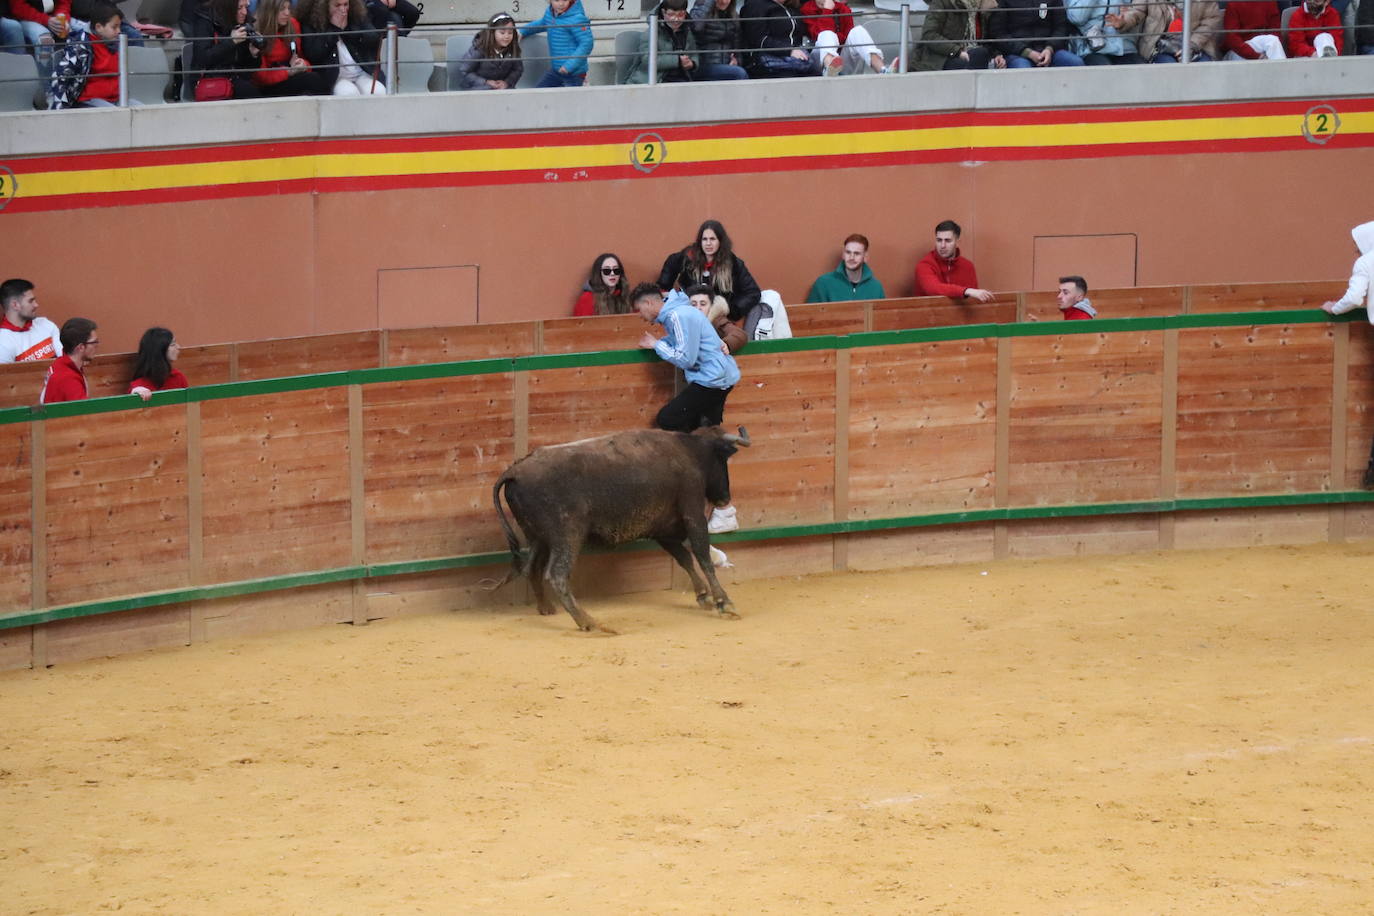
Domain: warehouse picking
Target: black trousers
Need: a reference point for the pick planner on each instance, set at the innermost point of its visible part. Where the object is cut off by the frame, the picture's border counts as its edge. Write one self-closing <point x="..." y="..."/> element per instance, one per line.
<point x="696" y="405"/>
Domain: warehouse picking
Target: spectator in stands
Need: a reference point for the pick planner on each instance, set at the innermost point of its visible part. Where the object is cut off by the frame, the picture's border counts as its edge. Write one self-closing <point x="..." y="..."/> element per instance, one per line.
<point x="949" y="39"/>
<point x="1315" y="30"/>
<point x="153" y="369"/>
<point x="1251" y="31"/>
<point x="677" y="47"/>
<point x="711" y="261"/>
<point x="1161" y="28"/>
<point x="1031" y="33"/>
<point x="283" y="65"/>
<point x="345" y="47"/>
<point x="1364" y="27"/>
<point x="716" y="23"/>
<point x="66" y="380"/>
<point x="776" y="37"/>
<point x="25" y="336"/>
<point x="945" y="272"/>
<point x="1074" y="304"/>
<point x="1098" y="42"/>
<point x="717" y="312"/>
<point x="842" y="46"/>
<point x="36" y="22"/>
<point x="225" y="42"/>
<point x="492" y="61"/>
<point x="852" y="279"/>
<point x="693" y="345"/>
<point x="606" y="291"/>
<point x="86" y="72"/>
<point x="401" y="13"/>
<point x="570" y="41"/>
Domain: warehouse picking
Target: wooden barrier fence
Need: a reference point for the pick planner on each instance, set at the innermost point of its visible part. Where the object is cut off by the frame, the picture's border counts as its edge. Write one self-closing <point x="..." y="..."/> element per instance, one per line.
<point x="241" y="507"/>
<point x="249" y="361"/>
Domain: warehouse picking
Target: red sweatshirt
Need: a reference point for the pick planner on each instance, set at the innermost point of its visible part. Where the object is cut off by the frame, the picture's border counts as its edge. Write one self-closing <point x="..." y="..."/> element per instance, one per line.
<point x="839" y="20"/>
<point x="65" y="382"/>
<point x="22" y="9"/>
<point x="936" y="276"/>
<point x="1244" y="20"/>
<point x="103" y="80"/>
<point x="1304" y="27"/>
<point x="276" y="57"/>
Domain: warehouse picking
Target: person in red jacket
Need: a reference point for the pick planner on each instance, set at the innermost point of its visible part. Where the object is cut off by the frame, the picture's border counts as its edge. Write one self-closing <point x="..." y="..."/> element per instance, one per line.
<point x="1073" y="299"/>
<point x="606" y="289"/>
<point x="1252" y="31"/>
<point x="842" y="46"/>
<point x="283" y="70"/>
<point x="944" y="272"/>
<point x="153" y="369"/>
<point x="102" y="80"/>
<point x="1315" y="30"/>
<point x="66" y="379"/>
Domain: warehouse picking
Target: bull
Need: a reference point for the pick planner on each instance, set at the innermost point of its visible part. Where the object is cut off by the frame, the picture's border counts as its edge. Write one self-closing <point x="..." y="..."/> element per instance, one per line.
<point x="610" y="490"/>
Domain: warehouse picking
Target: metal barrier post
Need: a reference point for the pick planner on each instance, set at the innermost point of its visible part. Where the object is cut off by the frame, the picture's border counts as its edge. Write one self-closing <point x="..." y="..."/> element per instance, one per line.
<point x="392" y="43"/>
<point x="904" y="52"/>
<point x="1186" y="54"/>
<point x="653" y="50"/>
<point x="123" y="70"/>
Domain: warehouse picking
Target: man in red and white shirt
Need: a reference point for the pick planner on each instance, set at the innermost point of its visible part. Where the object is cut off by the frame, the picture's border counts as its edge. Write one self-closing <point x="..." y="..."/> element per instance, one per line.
<point x="24" y="335"/>
<point x="66" y="379"/>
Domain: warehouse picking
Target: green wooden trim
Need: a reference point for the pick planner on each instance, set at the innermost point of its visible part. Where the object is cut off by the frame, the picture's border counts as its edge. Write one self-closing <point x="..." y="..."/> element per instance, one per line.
<point x="267" y="386"/>
<point x="1096" y="326"/>
<point x="16" y="415"/>
<point x="1234" y="319"/>
<point x="853" y="526"/>
<point x="424" y="371"/>
<point x="578" y="360"/>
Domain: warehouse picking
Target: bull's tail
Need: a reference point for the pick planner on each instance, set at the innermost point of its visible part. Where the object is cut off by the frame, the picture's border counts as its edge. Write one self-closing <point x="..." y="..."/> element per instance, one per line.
<point x="519" y="556"/>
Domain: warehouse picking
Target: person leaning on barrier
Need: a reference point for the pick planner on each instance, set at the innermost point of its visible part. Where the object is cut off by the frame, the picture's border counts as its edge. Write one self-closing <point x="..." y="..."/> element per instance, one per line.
<point x="678" y="60"/>
<point x="716" y="24"/>
<point x="222" y="44"/>
<point x="66" y="379"/>
<point x="1098" y="42"/>
<point x="345" y="45"/>
<point x="852" y="280"/>
<point x="1251" y="31"/>
<point x="570" y="41"/>
<point x="1315" y="30"/>
<point x="25" y="335"/>
<point x="949" y="39"/>
<point x="1161" y="28"/>
<point x="840" y="45"/>
<point x="945" y="272"/>
<point x="86" y="72"/>
<point x="777" y="39"/>
<point x="492" y="61"/>
<point x="153" y="369"/>
<point x="1074" y="304"/>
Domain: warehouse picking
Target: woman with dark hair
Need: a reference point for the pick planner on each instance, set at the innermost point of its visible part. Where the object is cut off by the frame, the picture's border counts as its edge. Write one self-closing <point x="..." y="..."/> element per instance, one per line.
<point x="605" y="292"/>
<point x="221" y="45"/>
<point x="284" y="70"/>
<point x="347" y="45"/>
<point x="153" y="369"/>
<point x="711" y="261"/>
<point x="492" y="61"/>
<point x="716" y="23"/>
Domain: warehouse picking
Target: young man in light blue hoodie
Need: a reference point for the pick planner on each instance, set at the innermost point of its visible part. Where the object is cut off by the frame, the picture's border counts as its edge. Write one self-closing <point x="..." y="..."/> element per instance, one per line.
<point x="570" y="41"/>
<point x="691" y="344"/>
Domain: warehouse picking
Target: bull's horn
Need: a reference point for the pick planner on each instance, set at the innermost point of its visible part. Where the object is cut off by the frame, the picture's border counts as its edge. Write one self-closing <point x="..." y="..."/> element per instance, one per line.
<point x="741" y="439"/>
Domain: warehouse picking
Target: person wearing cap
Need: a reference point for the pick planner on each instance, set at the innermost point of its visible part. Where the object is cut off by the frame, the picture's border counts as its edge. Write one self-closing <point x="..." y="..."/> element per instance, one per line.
<point x="492" y="61"/>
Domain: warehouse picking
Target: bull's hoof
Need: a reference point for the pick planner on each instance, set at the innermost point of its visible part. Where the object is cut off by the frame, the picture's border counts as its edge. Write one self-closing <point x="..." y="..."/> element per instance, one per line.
<point x="705" y="601"/>
<point x="727" y="611"/>
<point x="547" y="611"/>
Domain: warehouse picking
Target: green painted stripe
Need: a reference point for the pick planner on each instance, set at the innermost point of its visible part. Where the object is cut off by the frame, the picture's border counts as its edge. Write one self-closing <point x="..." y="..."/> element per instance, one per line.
<point x="1096" y="326"/>
<point x="17" y="415"/>
<point x="267" y="386"/>
<point x="1234" y="319"/>
<point x="853" y="526"/>
<point x="578" y="360"/>
<point x="425" y="371"/>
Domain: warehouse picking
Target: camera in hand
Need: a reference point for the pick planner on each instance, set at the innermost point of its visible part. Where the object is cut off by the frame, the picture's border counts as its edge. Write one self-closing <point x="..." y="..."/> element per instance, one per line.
<point x="253" y="35"/>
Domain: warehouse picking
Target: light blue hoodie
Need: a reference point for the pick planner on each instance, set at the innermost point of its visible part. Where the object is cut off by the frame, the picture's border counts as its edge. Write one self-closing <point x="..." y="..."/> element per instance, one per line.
<point x="570" y="37"/>
<point x="693" y="345"/>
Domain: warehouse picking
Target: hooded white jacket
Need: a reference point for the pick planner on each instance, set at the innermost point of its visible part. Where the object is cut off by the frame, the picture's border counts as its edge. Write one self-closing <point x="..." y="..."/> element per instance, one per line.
<point x="1356" y="295"/>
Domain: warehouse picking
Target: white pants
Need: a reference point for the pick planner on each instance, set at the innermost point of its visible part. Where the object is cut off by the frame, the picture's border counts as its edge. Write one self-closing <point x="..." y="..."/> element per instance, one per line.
<point x="1322" y="42"/>
<point x="362" y="85"/>
<point x="1270" y="47"/>
<point x="858" y="47"/>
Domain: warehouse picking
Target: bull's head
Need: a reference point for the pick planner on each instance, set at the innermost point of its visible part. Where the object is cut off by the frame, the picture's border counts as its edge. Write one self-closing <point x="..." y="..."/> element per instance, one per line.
<point x="723" y="445"/>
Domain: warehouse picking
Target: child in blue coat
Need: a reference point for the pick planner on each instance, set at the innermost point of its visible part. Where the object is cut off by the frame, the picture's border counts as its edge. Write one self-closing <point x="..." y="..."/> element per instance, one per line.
<point x="570" y="41"/>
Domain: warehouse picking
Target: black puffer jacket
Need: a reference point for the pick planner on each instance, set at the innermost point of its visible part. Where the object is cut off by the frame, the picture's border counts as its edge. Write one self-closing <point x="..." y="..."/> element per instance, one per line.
<point x="771" y="28"/>
<point x="744" y="291"/>
<point x="212" y="48"/>
<point x="363" y="40"/>
<point x="717" y="38"/>
<point x="1018" y="25"/>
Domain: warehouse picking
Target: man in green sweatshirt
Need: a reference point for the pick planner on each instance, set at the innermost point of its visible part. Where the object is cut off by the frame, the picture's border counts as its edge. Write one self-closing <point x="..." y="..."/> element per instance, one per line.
<point x="851" y="280"/>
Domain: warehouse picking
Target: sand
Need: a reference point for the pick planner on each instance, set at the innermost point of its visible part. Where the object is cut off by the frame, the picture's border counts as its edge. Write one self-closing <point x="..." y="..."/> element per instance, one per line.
<point x="1163" y="733"/>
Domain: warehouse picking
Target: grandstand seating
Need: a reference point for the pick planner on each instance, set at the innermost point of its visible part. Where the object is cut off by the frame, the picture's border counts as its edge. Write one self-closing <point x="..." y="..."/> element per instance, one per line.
<point x="18" y="82"/>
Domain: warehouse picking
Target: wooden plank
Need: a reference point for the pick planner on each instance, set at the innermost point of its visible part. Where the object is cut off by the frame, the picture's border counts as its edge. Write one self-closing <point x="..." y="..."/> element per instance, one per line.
<point x="22" y="383"/>
<point x="1057" y="537"/>
<point x="1085" y="418"/>
<point x="940" y="311"/>
<point x="1340" y="378"/>
<point x="769" y="559"/>
<point x="110" y="374"/>
<point x="1358" y="522"/>
<point x="841" y="464"/>
<point x="1256" y="297"/>
<point x="442" y="592"/>
<point x="922" y="428"/>
<point x="273" y="612"/>
<point x="1254" y="409"/>
<point x="307" y="355"/>
<point x="16" y="649"/>
<point x="116" y="504"/>
<point x="414" y="346"/>
<point x="17" y="492"/>
<point x="276" y="486"/>
<point x="210" y="365"/>
<point x="431" y="451"/>
<point x="109" y="635"/>
<point x="587" y="335"/>
<point x="1132" y="302"/>
<point x="570" y="404"/>
<point x="820" y="318"/>
<point x="1168" y="441"/>
<point x="357" y="509"/>
<point x="1250" y="527"/>
<point x="1358" y="404"/>
<point x="934" y="546"/>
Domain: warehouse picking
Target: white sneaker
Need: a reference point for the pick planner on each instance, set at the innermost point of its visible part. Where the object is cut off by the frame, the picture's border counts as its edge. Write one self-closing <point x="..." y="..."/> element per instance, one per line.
<point x="719" y="560"/>
<point x="1328" y="51"/>
<point x="722" y="520"/>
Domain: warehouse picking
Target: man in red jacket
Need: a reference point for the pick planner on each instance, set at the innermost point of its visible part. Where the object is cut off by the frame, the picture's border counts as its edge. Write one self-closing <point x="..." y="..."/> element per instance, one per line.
<point x="1073" y="299"/>
<point x="944" y="272"/>
<point x="66" y="379"/>
<point x="1315" y="31"/>
<point x="1252" y="31"/>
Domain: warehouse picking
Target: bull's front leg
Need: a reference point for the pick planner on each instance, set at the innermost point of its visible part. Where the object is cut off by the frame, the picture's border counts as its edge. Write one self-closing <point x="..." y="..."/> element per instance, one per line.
<point x="678" y="551"/>
<point x="700" y="542"/>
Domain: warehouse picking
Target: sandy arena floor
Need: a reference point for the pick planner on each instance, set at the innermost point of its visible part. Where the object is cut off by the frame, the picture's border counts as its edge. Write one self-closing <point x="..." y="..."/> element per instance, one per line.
<point x="1180" y="733"/>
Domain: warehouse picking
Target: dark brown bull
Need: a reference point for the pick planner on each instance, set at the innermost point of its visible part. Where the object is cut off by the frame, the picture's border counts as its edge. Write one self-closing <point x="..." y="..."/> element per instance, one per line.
<point x="613" y="489"/>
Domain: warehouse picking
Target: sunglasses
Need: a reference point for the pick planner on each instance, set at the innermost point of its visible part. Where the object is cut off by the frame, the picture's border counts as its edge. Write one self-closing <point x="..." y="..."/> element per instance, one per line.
<point x="610" y="271"/>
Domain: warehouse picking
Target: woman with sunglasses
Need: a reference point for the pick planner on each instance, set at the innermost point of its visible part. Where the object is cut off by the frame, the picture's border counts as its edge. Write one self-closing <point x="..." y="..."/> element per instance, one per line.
<point x="606" y="291"/>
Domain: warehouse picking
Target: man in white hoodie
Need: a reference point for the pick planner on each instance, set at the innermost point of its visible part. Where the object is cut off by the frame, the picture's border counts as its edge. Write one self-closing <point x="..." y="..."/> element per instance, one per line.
<point x="1357" y="296"/>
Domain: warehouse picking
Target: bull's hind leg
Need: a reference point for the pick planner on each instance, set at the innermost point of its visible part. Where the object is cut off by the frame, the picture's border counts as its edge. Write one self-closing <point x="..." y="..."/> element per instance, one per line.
<point x="701" y="550"/>
<point x="557" y="574"/>
<point x="539" y="562"/>
<point x="678" y="551"/>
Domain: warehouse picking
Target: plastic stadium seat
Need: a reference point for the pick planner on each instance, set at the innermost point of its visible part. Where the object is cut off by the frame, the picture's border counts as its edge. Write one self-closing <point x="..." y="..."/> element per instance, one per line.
<point x="628" y="45"/>
<point x="887" y="35"/>
<point x="414" y="64"/>
<point x="148" y="74"/>
<point x="454" y="48"/>
<point x="19" y="82"/>
<point x="535" y="51"/>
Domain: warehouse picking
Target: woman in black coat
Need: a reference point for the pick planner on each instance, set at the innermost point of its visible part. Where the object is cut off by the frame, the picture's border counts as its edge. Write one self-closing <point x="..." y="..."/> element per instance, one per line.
<point x="346" y="23"/>
<point x="222" y="44"/>
<point x="711" y="261"/>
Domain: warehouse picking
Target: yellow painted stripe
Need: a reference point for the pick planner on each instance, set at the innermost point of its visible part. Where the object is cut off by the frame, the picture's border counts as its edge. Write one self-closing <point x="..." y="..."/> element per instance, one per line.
<point x="724" y="149"/>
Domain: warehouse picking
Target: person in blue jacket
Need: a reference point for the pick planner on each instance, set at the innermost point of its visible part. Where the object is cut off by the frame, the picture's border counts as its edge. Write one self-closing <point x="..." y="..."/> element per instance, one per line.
<point x="570" y="41"/>
<point x="691" y="343"/>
